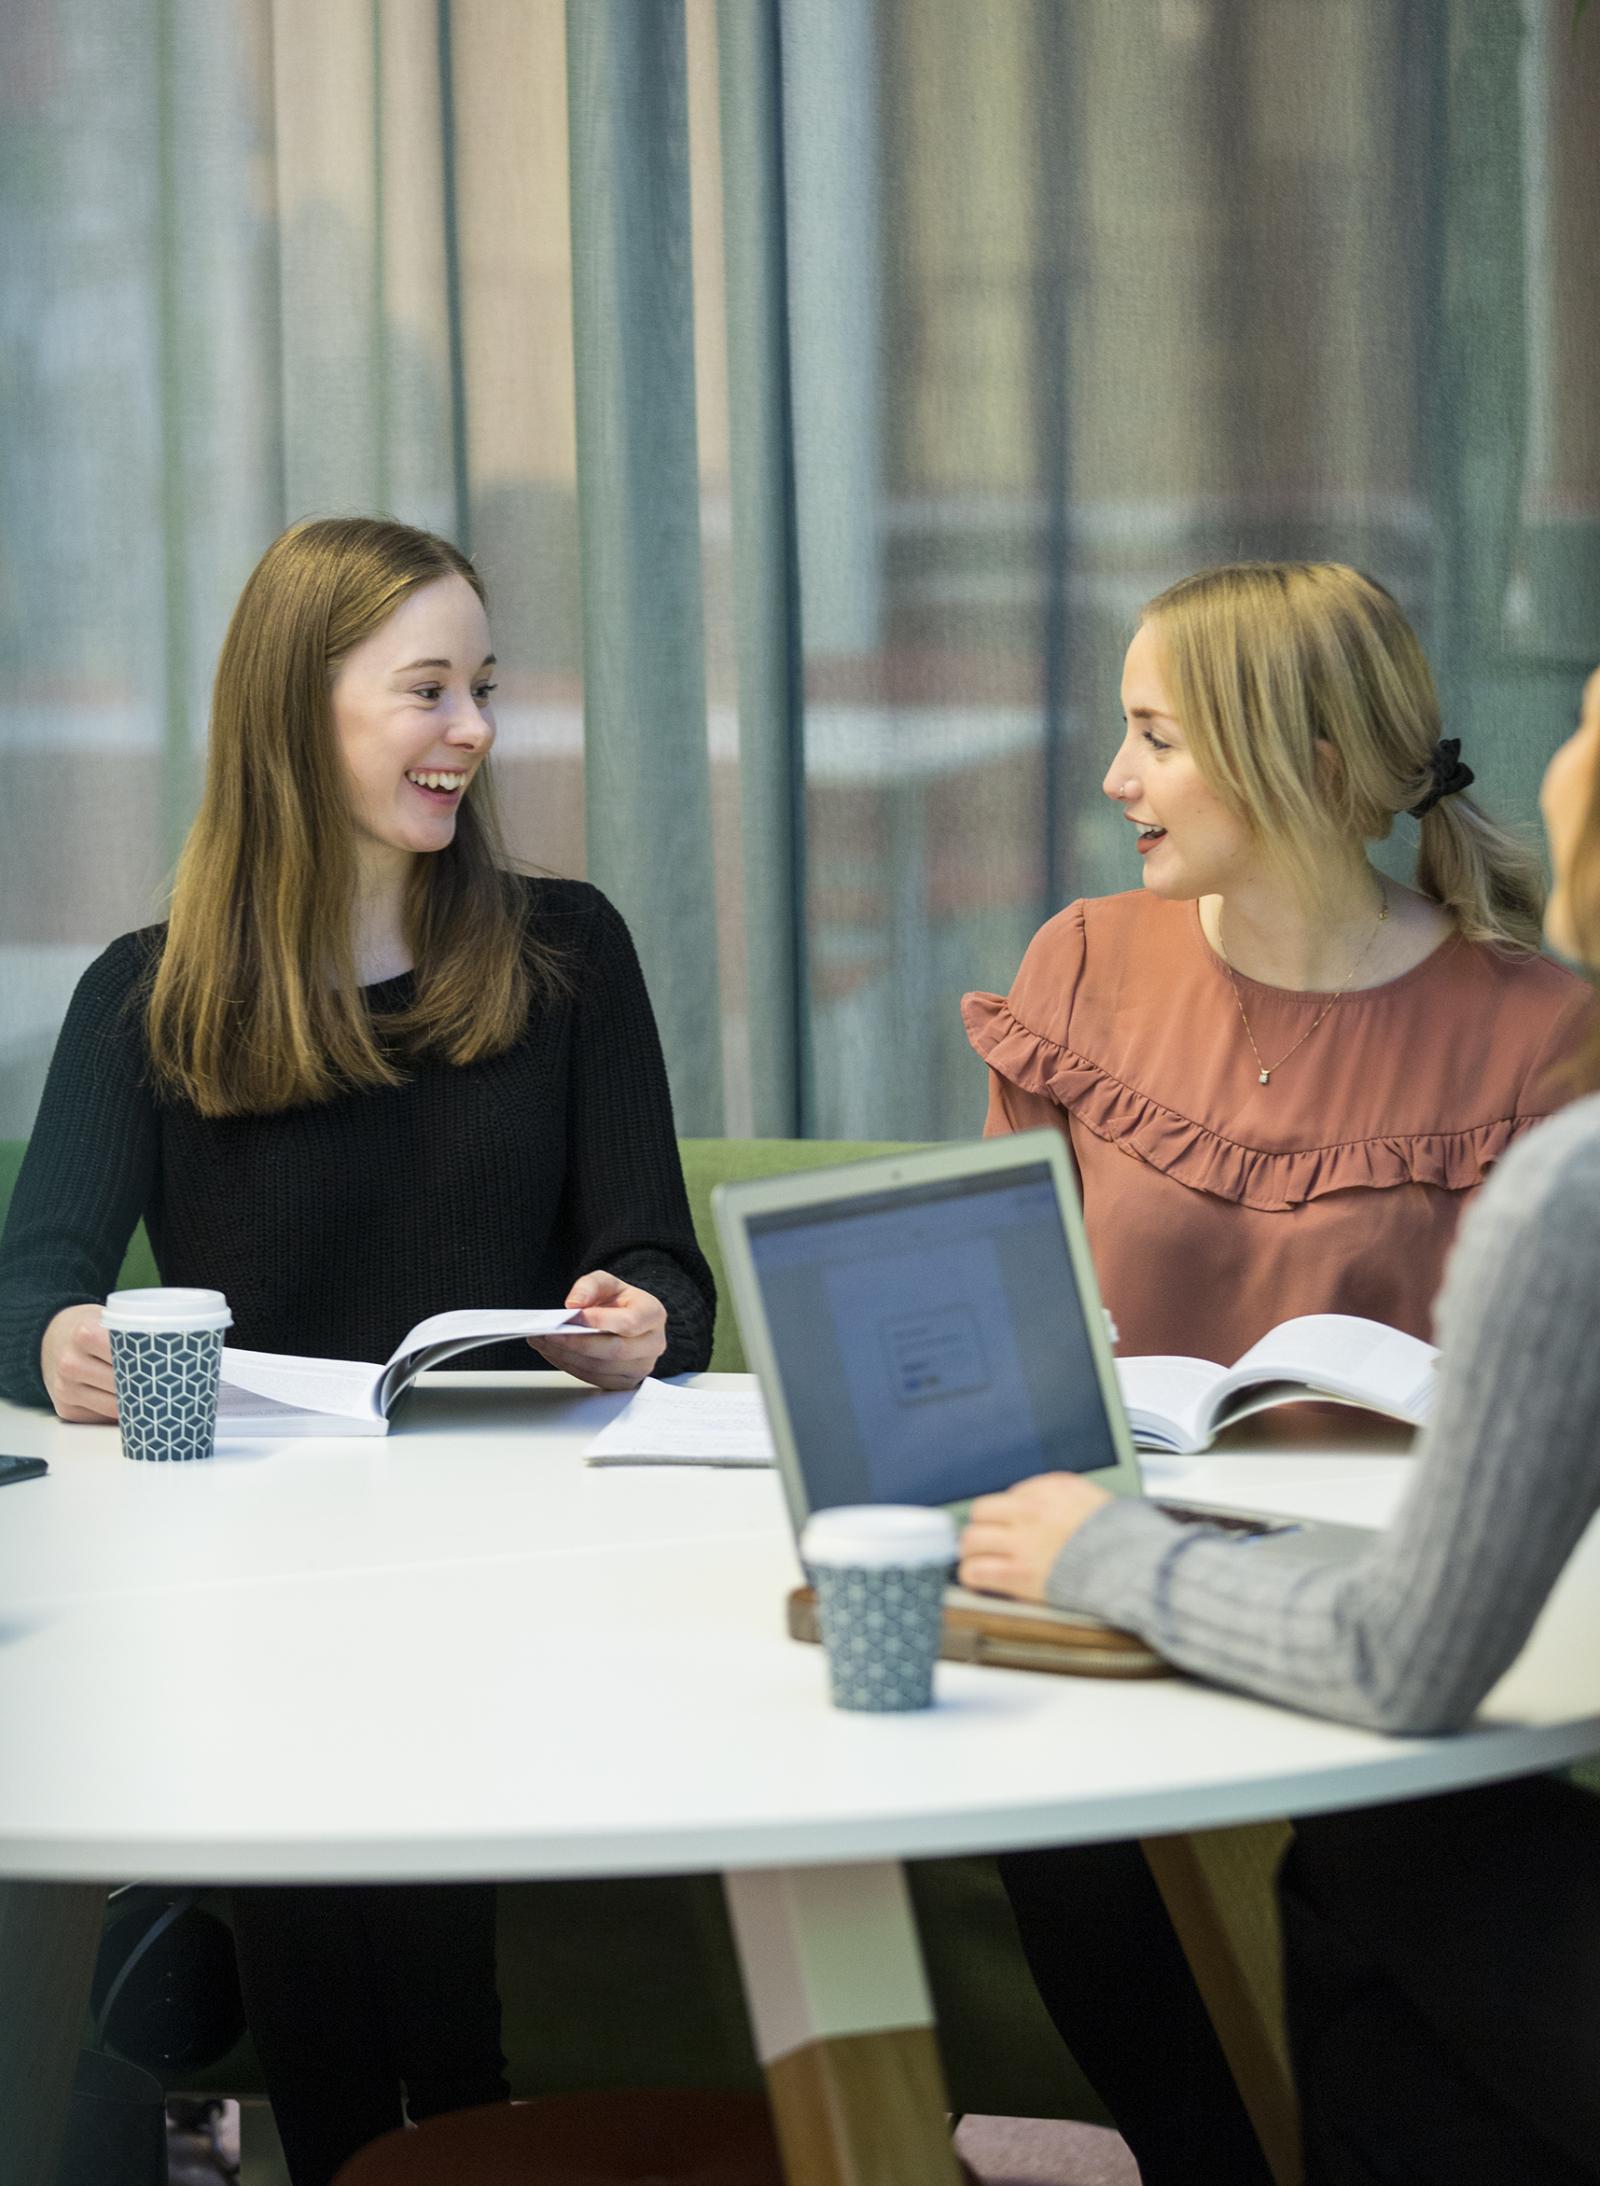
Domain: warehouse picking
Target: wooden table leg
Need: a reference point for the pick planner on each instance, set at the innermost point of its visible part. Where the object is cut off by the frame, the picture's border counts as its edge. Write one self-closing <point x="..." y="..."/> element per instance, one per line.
<point x="1218" y="1890"/>
<point x="843" y="2025"/>
<point x="49" y="1933"/>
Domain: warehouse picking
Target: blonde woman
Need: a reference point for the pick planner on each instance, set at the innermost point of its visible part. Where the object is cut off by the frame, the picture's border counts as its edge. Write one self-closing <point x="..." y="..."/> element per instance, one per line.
<point x="363" y="1072"/>
<point x="1442" y="1957"/>
<point x="1282" y="1077"/>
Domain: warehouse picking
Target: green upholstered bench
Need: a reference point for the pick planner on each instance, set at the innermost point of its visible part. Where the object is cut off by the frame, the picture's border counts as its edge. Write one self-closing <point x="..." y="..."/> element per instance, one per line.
<point x="635" y="1983"/>
<point x="709" y="1162"/>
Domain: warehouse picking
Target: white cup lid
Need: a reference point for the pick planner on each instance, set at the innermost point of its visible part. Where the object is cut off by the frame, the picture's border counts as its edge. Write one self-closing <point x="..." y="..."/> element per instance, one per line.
<point x="165" y="1312"/>
<point x="879" y="1534"/>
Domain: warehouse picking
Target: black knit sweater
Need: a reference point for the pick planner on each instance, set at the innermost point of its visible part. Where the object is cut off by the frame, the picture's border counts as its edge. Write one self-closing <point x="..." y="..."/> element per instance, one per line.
<point x="333" y="1228"/>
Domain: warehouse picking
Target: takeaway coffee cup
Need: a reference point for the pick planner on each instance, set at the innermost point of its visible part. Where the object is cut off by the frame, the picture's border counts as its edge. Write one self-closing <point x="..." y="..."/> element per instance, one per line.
<point x="880" y="1571"/>
<point x="166" y="1352"/>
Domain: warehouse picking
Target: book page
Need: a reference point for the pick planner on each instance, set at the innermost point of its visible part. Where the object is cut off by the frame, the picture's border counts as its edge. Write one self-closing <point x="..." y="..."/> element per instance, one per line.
<point x="1346" y="1356"/>
<point x="446" y="1335"/>
<point x="246" y="1415"/>
<point x="1167" y="1398"/>
<point x="663" y="1425"/>
<point x="345" y="1387"/>
<point x="491" y="1324"/>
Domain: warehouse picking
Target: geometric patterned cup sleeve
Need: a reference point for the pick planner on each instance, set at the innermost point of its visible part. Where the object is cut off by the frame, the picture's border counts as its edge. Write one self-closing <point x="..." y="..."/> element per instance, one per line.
<point x="167" y="1391"/>
<point x="881" y="1626"/>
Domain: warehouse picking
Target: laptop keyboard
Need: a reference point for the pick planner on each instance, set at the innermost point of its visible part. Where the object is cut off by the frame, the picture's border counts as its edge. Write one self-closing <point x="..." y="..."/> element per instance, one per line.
<point x="1229" y="1521"/>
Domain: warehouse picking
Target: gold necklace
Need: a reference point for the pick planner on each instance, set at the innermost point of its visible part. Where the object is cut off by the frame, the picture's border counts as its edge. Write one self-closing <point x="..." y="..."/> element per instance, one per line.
<point x="1266" y="1069"/>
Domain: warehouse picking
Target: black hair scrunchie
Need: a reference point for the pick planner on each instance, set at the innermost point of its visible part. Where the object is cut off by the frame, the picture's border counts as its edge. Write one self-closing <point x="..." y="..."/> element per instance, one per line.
<point x="1449" y="775"/>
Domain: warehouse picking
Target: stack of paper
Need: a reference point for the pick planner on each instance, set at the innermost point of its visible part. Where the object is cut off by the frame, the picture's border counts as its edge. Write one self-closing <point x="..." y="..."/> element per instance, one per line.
<point x="662" y="1424"/>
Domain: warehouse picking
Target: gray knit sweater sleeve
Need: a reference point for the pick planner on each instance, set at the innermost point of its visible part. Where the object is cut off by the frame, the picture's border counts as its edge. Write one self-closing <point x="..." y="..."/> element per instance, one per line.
<point x="1410" y="1636"/>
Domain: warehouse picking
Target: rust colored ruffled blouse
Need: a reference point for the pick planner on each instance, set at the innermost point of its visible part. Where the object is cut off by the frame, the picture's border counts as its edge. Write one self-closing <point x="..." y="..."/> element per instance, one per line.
<point x="1217" y="1206"/>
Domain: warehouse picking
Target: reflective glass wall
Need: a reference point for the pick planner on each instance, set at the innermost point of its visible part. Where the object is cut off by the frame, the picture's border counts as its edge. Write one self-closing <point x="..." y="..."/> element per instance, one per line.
<point x="822" y="385"/>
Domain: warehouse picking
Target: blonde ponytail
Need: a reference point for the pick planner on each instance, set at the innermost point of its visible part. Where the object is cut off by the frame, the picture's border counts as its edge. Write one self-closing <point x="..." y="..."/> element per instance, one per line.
<point x="1489" y="881"/>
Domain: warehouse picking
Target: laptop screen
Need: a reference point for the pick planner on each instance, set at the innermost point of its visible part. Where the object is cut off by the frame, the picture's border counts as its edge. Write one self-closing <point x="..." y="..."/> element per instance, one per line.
<point x="930" y="1340"/>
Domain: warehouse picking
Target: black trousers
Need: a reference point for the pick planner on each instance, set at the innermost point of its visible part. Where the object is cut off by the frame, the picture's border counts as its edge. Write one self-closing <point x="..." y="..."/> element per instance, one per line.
<point x="355" y="1992"/>
<point x="1442" y="1970"/>
<point x="1443" y="1974"/>
<point x="1112" y="1975"/>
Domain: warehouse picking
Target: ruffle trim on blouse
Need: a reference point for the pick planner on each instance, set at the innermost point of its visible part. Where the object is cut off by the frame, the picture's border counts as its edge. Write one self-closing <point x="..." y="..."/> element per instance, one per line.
<point x="1455" y="1161"/>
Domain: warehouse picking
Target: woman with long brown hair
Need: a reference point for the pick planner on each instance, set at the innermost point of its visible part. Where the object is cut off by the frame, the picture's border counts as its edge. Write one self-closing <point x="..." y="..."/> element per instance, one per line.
<point x="364" y="1072"/>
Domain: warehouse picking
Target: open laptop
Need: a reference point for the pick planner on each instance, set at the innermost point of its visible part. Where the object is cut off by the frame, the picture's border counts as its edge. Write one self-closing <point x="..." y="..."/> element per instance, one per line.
<point x="926" y="1327"/>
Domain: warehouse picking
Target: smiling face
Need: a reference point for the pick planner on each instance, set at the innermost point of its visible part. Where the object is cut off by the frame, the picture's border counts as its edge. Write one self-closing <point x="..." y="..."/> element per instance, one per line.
<point x="412" y="718"/>
<point x="1191" y="843"/>
<point x="1567" y="800"/>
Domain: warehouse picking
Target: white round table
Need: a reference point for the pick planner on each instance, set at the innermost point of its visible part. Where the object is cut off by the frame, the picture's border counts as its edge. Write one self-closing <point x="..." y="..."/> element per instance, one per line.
<point x="458" y="1652"/>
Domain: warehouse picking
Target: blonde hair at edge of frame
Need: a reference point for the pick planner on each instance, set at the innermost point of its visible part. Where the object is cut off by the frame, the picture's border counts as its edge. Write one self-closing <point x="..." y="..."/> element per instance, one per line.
<point x="254" y="1005"/>
<point x="1268" y="663"/>
<point x="1583" y="909"/>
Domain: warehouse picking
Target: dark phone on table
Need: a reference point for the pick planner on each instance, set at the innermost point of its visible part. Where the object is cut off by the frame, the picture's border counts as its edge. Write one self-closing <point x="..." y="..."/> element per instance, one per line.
<point x="21" y="1468"/>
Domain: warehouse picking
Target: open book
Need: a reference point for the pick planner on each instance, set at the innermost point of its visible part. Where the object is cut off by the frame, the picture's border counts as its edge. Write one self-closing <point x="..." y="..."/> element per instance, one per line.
<point x="272" y="1394"/>
<point x="1183" y="1404"/>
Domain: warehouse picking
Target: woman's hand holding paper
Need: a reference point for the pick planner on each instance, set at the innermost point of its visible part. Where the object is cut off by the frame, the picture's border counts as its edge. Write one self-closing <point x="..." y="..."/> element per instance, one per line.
<point x="635" y="1326"/>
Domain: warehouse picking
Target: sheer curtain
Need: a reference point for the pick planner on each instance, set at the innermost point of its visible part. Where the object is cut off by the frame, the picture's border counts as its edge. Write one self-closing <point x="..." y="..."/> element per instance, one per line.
<point x="821" y="385"/>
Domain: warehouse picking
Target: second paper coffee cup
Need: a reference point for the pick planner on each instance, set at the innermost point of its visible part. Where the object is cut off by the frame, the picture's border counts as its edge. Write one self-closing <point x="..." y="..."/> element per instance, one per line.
<point x="880" y="1571"/>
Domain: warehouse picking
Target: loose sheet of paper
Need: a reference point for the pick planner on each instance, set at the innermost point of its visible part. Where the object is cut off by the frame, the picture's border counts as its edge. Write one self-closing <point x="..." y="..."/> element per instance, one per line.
<point x="663" y="1425"/>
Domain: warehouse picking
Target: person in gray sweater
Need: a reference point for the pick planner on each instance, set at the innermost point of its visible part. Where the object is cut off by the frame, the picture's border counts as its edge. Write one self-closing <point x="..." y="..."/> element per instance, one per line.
<point x="1443" y="1956"/>
<point x="1412" y="1634"/>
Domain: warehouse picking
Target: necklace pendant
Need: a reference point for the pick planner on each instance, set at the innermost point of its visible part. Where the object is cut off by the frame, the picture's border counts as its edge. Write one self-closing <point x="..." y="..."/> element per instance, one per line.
<point x="1266" y="1077"/>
